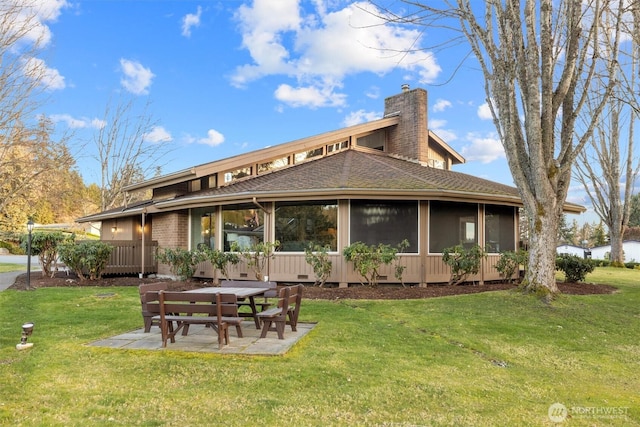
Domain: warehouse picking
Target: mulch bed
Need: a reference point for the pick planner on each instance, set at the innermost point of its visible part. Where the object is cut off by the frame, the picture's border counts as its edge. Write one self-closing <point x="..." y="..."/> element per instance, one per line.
<point x="314" y="292"/>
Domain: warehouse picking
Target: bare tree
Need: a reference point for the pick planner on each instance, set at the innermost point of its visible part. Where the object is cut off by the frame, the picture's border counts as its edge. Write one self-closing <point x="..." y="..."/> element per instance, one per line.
<point x="27" y="154"/>
<point x="125" y="156"/>
<point x="536" y="58"/>
<point x="608" y="171"/>
<point x="607" y="168"/>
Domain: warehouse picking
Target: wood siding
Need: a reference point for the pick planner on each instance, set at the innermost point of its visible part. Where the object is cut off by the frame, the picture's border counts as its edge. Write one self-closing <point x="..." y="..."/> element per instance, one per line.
<point x="292" y="268"/>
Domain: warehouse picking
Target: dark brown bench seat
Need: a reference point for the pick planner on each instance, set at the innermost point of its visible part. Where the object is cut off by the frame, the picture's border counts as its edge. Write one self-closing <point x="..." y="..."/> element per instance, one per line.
<point x="148" y="295"/>
<point x="286" y="312"/>
<point x="178" y="310"/>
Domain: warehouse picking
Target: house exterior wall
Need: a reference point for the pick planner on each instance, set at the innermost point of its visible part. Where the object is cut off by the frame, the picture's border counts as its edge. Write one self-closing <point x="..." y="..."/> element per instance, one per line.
<point x="120" y="229"/>
<point x="422" y="268"/>
<point x="571" y="250"/>
<point x="630" y="248"/>
<point x="171" y="190"/>
<point x="170" y="230"/>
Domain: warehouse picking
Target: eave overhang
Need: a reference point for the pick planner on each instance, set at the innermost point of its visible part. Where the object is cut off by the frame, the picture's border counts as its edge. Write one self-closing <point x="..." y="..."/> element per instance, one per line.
<point x="272" y="196"/>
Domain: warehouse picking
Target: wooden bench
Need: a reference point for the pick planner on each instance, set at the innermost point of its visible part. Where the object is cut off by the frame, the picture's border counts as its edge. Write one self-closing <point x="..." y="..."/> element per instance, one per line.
<point x="286" y="312"/>
<point x="265" y="304"/>
<point x="178" y="310"/>
<point x="149" y="294"/>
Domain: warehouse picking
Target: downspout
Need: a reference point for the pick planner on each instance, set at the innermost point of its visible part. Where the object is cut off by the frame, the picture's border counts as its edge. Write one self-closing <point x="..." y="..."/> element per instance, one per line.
<point x="144" y="214"/>
<point x="255" y="202"/>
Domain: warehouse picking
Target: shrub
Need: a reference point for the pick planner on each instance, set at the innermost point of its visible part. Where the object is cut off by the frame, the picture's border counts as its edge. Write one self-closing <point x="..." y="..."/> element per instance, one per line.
<point x="367" y="260"/>
<point x="399" y="268"/>
<point x="462" y="262"/>
<point x="318" y="258"/>
<point x="13" y="248"/>
<point x="601" y="262"/>
<point x="257" y="256"/>
<point x="221" y="260"/>
<point x="45" y="245"/>
<point x="509" y="263"/>
<point x="575" y="269"/>
<point x="182" y="262"/>
<point x="86" y="259"/>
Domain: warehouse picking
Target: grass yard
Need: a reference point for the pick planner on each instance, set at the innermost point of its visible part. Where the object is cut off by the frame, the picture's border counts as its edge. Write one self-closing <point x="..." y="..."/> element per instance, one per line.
<point x="490" y="359"/>
<point x="6" y="268"/>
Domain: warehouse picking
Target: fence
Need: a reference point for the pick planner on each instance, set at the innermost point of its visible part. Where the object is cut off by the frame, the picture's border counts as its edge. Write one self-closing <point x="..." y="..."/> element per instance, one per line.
<point x="126" y="257"/>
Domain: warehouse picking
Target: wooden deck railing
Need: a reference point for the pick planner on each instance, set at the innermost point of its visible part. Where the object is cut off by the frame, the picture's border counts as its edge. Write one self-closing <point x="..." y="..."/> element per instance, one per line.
<point x="126" y="257"/>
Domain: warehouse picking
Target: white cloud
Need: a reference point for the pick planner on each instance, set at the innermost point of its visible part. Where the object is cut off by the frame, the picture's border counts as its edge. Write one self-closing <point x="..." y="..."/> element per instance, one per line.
<point x="213" y="138"/>
<point x="97" y="123"/>
<point x="483" y="149"/>
<point x="311" y="96"/>
<point x="30" y="19"/>
<point x="484" y="112"/>
<point x="37" y="70"/>
<point x="447" y="135"/>
<point x="320" y="49"/>
<point x="157" y="134"/>
<point x="373" y="92"/>
<point x="437" y="123"/>
<point x="77" y="123"/>
<point x="441" y="105"/>
<point x="137" y="78"/>
<point x="361" y="116"/>
<point x="439" y="127"/>
<point x="191" y="20"/>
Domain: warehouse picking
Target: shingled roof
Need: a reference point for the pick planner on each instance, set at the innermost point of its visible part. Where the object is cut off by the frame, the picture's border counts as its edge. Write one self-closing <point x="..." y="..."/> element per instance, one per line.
<point x="354" y="173"/>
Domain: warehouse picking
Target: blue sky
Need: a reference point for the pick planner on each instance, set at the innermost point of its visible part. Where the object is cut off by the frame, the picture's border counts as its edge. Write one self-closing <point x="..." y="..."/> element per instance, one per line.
<point x="228" y="77"/>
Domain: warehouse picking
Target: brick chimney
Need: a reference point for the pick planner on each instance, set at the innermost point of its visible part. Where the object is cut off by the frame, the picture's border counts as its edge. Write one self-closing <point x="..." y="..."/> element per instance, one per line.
<point x="411" y="137"/>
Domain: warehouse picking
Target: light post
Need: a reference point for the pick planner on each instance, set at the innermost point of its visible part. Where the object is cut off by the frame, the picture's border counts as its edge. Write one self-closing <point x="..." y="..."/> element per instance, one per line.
<point x="29" y="230"/>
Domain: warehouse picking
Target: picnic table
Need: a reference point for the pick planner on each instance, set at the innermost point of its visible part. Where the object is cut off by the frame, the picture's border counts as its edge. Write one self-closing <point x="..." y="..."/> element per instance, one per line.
<point x="249" y="293"/>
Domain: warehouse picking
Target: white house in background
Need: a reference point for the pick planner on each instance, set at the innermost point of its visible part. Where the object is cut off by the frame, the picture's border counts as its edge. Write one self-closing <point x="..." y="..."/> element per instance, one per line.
<point x="571" y="250"/>
<point x="631" y="250"/>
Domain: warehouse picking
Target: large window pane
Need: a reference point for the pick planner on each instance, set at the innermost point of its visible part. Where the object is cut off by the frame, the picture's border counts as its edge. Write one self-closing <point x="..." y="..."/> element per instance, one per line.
<point x="299" y="224"/>
<point x="203" y="228"/>
<point x="452" y="224"/>
<point x="500" y="228"/>
<point x="387" y="222"/>
<point x="243" y="224"/>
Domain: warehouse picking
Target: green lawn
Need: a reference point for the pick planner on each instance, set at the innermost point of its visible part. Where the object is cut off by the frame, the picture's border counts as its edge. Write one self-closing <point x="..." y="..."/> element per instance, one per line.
<point x="5" y="268"/>
<point x="492" y="359"/>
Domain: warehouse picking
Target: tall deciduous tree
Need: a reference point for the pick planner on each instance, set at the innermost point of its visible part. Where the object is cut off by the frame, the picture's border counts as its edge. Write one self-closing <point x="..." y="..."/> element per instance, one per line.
<point x="607" y="168"/>
<point x="539" y="59"/>
<point x="28" y="155"/>
<point x="124" y="152"/>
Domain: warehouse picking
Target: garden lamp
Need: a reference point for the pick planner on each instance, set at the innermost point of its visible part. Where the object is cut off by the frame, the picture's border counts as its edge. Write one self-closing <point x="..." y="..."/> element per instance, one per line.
<point x="27" y="329"/>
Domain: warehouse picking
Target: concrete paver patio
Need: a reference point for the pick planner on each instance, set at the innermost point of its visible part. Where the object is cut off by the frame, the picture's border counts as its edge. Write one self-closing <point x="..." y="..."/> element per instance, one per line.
<point x="205" y="340"/>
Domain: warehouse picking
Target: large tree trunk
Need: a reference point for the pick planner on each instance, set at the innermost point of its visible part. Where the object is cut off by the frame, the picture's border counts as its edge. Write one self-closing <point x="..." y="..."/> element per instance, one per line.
<point x="540" y="276"/>
<point x="616" y="236"/>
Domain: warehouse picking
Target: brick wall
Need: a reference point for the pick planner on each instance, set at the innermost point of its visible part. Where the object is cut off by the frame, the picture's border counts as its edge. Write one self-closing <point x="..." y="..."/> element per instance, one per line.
<point x="171" y="230"/>
<point x="411" y="137"/>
